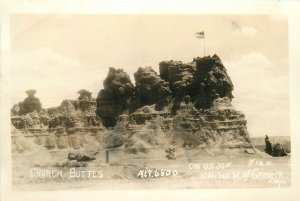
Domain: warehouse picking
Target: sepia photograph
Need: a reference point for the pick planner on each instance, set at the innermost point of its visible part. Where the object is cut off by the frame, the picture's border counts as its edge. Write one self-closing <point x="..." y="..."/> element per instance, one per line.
<point x="140" y="101"/>
<point x="133" y="101"/>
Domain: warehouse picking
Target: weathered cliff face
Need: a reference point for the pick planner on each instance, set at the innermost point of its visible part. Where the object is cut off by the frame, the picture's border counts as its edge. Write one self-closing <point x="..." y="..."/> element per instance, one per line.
<point x="191" y="102"/>
<point x="210" y="81"/>
<point x="70" y="114"/>
<point x="179" y="75"/>
<point x="29" y="113"/>
<point x="113" y="100"/>
<point x="60" y="127"/>
<point x="187" y="105"/>
<point x="149" y="89"/>
<point x="30" y="104"/>
<point x="73" y="113"/>
<point x="228" y="123"/>
<point x="204" y="80"/>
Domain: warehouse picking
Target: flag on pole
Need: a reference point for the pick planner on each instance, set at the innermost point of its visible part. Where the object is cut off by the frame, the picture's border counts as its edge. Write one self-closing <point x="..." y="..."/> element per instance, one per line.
<point x="200" y="34"/>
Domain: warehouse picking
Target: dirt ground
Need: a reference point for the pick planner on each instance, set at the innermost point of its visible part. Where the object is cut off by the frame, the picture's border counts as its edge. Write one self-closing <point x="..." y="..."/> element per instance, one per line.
<point x="192" y="169"/>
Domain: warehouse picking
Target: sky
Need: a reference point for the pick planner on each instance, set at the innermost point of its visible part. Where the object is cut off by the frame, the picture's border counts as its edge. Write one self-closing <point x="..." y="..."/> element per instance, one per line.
<point x="60" y="54"/>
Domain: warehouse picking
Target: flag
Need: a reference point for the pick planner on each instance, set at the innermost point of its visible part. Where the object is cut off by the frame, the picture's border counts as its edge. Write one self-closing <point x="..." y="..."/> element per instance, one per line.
<point x="200" y="34"/>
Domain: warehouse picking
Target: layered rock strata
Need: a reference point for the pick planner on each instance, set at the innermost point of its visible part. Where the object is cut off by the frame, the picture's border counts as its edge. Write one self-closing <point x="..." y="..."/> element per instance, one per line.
<point x="59" y="127"/>
<point x="190" y="102"/>
<point x="186" y="105"/>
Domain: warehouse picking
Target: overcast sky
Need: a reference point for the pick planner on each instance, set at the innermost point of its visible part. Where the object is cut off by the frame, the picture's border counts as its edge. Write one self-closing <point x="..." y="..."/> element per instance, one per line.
<point x="60" y="54"/>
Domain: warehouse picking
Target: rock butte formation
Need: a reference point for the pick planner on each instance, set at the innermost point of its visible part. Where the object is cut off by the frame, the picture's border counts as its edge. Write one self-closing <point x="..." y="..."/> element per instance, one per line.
<point x="29" y="105"/>
<point x="186" y="105"/>
<point x="113" y="100"/>
<point x="61" y="126"/>
<point x="71" y="113"/>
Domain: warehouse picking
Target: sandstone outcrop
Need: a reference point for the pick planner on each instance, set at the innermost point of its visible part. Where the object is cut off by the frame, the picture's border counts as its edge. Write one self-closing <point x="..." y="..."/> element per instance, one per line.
<point x="114" y="99"/>
<point x="30" y="104"/>
<point x="60" y="127"/>
<point x="149" y="89"/>
<point x="186" y="105"/>
<point x="191" y="101"/>
<point x="210" y="81"/>
<point x="204" y="79"/>
<point x="180" y="77"/>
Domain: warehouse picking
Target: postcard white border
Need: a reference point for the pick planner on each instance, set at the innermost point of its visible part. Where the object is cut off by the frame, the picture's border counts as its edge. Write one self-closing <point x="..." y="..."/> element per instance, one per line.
<point x="289" y="8"/>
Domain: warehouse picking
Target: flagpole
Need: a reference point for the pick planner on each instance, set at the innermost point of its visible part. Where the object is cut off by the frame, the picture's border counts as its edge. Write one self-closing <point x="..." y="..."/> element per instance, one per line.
<point x="204" y="48"/>
<point x="201" y="35"/>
